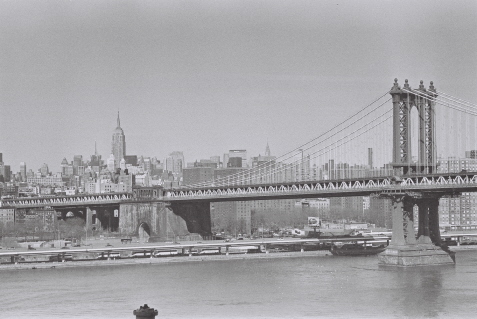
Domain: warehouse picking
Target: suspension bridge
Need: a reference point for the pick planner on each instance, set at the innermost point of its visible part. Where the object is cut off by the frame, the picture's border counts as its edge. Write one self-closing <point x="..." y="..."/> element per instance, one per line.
<point x="389" y="148"/>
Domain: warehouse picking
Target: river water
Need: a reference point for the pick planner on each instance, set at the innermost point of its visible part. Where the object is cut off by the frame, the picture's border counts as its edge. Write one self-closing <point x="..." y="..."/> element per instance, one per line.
<point x="292" y="287"/>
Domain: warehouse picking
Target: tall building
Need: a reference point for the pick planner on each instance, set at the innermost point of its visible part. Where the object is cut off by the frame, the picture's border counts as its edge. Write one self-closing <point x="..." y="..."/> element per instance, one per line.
<point x="95" y="161"/>
<point x="77" y="162"/>
<point x="370" y="158"/>
<point x="2" y="166"/>
<point x="111" y="163"/>
<point x="264" y="167"/>
<point x="225" y="160"/>
<point x="2" y="169"/>
<point x="44" y="170"/>
<point x="64" y="167"/>
<point x="458" y="212"/>
<point x="23" y="171"/>
<point x="118" y="146"/>
<point x="8" y="174"/>
<point x="238" y="153"/>
<point x="147" y="164"/>
<point x="175" y="163"/>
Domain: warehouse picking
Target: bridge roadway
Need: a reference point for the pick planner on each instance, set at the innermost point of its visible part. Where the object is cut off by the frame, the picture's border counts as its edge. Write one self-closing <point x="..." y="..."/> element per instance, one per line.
<point x="448" y="184"/>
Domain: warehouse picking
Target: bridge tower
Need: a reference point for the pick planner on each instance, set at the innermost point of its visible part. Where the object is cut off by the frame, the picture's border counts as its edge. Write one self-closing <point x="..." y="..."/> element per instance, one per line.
<point x="403" y="101"/>
<point x="408" y="248"/>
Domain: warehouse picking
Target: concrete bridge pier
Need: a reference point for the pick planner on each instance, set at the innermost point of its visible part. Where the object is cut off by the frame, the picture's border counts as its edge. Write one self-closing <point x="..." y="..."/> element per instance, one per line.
<point x="405" y="249"/>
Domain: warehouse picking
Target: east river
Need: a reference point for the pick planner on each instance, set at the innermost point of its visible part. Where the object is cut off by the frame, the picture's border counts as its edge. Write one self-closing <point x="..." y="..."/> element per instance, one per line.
<point x="289" y="287"/>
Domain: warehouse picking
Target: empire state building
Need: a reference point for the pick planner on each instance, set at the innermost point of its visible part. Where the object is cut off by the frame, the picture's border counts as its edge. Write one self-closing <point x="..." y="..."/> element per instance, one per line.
<point x="118" y="146"/>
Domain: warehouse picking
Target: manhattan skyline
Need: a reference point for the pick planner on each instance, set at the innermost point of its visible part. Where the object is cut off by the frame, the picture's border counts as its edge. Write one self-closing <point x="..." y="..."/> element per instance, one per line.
<point x="205" y="77"/>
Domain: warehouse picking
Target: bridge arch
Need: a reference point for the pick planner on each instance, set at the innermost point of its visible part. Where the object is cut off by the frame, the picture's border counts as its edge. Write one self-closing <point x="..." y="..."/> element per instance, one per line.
<point x="144" y="232"/>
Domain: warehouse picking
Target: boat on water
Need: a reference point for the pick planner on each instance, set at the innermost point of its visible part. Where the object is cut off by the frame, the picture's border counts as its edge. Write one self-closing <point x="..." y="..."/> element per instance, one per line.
<point x="356" y="250"/>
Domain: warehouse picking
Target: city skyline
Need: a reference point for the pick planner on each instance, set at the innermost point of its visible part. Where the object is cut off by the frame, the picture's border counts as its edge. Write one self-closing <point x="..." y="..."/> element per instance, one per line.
<point x="206" y="77"/>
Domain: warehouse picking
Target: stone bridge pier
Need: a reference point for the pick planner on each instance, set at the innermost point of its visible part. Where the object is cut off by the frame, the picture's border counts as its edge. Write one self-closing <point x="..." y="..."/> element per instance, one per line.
<point x="159" y="221"/>
<point x="96" y="217"/>
<point x="407" y="249"/>
<point x="196" y="216"/>
<point x="102" y="217"/>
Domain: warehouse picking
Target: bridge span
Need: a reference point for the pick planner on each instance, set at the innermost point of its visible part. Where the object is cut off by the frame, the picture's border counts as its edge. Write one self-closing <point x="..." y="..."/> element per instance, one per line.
<point x="441" y="184"/>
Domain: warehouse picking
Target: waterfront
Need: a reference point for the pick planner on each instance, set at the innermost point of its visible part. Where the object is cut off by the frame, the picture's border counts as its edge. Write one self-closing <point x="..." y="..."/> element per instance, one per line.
<point x="296" y="287"/>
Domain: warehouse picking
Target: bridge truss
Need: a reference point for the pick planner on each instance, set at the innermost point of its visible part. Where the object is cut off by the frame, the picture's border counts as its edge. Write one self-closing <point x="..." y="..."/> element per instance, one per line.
<point x="442" y="183"/>
<point x="59" y="201"/>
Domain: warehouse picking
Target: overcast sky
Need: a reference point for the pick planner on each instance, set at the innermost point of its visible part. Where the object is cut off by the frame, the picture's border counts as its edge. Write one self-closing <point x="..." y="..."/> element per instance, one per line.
<point x="204" y="77"/>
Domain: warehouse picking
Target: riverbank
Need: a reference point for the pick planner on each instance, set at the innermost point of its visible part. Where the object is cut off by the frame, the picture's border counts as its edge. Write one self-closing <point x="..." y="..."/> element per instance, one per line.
<point x="161" y="260"/>
<point x="181" y="259"/>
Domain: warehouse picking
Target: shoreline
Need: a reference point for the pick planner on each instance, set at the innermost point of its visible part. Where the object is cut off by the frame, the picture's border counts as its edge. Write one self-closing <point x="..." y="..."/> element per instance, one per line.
<point x="160" y="260"/>
<point x="178" y="259"/>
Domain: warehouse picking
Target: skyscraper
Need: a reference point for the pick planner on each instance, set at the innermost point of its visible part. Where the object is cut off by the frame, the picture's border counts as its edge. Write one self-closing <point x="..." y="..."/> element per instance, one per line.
<point x="2" y="166"/>
<point x="77" y="162"/>
<point x="118" y="146"/>
<point x="175" y="162"/>
<point x="7" y="173"/>
<point x="370" y="158"/>
<point x="95" y="161"/>
<point x="23" y="171"/>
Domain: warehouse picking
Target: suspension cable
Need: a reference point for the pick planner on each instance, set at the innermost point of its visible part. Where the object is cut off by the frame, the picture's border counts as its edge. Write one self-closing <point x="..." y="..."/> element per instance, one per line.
<point x="272" y="162"/>
<point x="324" y="150"/>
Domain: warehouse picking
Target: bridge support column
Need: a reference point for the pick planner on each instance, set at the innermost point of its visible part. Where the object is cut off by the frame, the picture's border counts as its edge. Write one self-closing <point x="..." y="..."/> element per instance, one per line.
<point x="196" y="216"/>
<point x="404" y="249"/>
<point x="434" y="231"/>
<point x="423" y="230"/>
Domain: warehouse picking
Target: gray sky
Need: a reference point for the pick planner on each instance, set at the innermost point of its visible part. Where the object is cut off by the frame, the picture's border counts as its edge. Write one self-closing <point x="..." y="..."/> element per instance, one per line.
<point x="205" y="76"/>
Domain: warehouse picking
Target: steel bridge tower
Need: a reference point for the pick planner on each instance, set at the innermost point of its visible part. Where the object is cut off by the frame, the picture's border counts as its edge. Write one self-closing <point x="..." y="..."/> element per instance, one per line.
<point x="403" y="102"/>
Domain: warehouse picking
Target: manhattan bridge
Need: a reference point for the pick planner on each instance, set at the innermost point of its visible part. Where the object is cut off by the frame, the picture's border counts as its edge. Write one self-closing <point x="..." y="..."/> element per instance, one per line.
<point x="398" y="138"/>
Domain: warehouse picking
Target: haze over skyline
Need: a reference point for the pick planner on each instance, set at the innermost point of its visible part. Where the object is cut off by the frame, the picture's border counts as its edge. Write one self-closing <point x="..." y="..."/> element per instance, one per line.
<point x="204" y="77"/>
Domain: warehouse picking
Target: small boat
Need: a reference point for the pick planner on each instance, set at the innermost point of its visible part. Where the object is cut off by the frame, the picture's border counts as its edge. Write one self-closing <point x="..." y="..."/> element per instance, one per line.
<point x="356" y="250"/>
